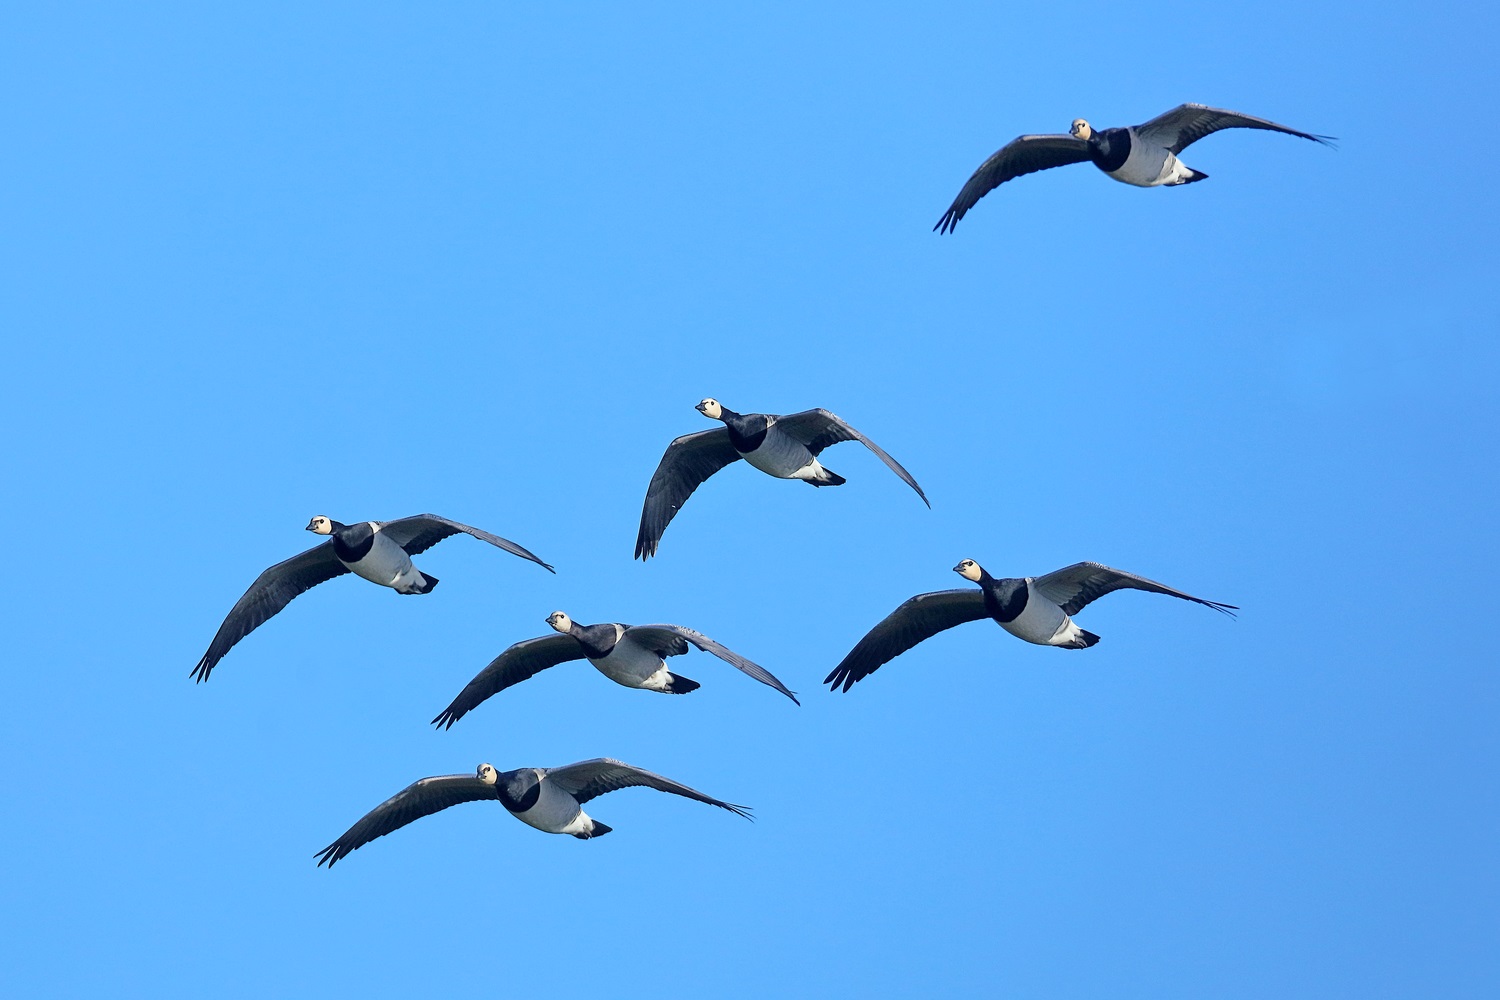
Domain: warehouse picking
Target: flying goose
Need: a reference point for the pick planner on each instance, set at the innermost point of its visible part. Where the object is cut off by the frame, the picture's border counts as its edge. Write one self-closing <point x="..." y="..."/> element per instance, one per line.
<point x="785" y="446"/>
<point x="1143" y="155"/>
<point x="379" y="551"/>
<point x="547" y="798"/>
<point x="1034" y="608"/>
<point x="632" y="655"/>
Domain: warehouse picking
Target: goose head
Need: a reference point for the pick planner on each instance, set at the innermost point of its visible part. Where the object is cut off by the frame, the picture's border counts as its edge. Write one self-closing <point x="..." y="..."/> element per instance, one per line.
<point x="1081" y="130"/>
<point x="560" y="621"/>
<point x="969" y="570"/>
<point x="320" y="525"/>
<point x="487" y="773"/>
<point x="711" y="409"/>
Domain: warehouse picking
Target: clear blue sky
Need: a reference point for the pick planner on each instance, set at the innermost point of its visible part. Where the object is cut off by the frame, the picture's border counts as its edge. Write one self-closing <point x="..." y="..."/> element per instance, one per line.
<point x="369" y="260"/>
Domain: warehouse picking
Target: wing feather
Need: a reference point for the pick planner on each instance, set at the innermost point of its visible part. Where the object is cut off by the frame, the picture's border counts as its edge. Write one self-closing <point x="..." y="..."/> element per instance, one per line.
<point x="920" y="618"/>
<point x="418" y="799"/>
<point x="1024" y="154"/>
<point x="1075" y="587"/>
<point x="1185" y="124"/>
<point x="422" y="531"/>
<point x="686" y="465"/>
<point x="271" y="591"/>
<point x="519" y="662"/>
<point x="664" y="635"/>
<point x="591" y="778"/>
<point x="819" y="429"/>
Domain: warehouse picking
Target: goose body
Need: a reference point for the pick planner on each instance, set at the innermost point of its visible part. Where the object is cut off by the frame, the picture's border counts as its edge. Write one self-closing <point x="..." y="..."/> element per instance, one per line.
<point x="784" y="446"/>
<point x="367" y="552"/>
<point x="633" y="656"/>
<point x="1145" y="163"/>
<point x="624" y="660"/>
<point x="545" y="805"/>
<point x="1038" y="610"/>
<point x="1030" y="616"/>
<point x="378" y="551"/>
<point x="1143" y="155"/>
<point x="548" y="799"/>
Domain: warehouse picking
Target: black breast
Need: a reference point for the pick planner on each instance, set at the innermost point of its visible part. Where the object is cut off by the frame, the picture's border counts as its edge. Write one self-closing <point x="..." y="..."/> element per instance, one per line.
<point x="1112" y="149"/>
<point x="352" y="543"/>
<point x="747" y="431"/>
<point x="519" y="803"/>
<point x="597" y="640"/>
<point x="1004" y="600"/>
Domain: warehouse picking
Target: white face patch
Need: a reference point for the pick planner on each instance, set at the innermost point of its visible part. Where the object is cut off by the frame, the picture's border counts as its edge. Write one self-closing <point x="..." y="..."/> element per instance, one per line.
<point x="487" y="774"/>
<point x="710" y="408"/>
<point x="320" y="525"/>
<point x="1080" y="129"/>
<point x="968" y="569"/>
<point x="560" y="621"/>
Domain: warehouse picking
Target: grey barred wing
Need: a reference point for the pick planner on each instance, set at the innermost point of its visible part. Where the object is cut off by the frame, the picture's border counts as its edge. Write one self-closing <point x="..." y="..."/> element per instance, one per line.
<point x="1074" y="587"/>
<point x="422" y="531"/>
<point x="591" y="778"/>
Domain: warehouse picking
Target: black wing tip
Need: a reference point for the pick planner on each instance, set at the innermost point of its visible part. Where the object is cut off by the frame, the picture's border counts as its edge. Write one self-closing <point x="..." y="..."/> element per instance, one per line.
<point x="842" y="677"/>
<point x="330" y="855"/>
<point x="202" y="670"/>
<point x="948" y="222"/>
<point x="446" y="718"/>
<point x="1224" y="609"/>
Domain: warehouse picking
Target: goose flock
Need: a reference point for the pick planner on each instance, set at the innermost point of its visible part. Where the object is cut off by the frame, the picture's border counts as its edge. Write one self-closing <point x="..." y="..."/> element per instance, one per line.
<point x="1038" y="609"/>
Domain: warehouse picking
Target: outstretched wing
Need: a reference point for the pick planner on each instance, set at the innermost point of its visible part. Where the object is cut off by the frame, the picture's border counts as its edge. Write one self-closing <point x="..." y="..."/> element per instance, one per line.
<point x="523" y="660"/>
<point x="1022" y="155"/>
<point x="920" y="618"/>
<point x="1187" y="123"/>
<point x="423" y="531"/>
<point x="664" y="636"/>
<point x="688" y="462"/>
<point x="590" y="778"/>
<point x="271" y="591"/>
<point x="418" y="799"/>
<point x="818" y="429"/>
<point x="1075" y="587"/>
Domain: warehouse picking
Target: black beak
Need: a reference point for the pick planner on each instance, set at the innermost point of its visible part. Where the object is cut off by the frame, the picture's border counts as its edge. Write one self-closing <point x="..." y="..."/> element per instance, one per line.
<point x="959" y="568"/>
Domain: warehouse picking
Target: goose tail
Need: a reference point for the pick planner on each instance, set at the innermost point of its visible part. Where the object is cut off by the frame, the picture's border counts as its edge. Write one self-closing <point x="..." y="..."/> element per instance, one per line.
<point x="680" y="685"/>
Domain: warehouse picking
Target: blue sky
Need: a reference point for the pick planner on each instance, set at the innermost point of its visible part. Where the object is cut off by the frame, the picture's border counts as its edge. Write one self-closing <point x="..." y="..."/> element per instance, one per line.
<point x="481" y="259"/>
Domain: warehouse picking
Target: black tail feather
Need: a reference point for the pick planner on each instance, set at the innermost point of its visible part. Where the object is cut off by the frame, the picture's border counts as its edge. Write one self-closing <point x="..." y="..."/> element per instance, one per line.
<point x="599" y="830"/>
<point x="830" y="478"/>
<point x="681" y="685"/>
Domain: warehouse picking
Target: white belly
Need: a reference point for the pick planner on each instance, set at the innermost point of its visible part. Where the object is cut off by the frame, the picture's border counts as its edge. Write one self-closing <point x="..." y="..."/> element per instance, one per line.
<point x="1150" y="166"/>
<point x="386" y="564"/>
<point x="555" y="811"/>
<point x="629" y="664"/>
<point x="782" y="456"/>
<point x="1042" y="622"/>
